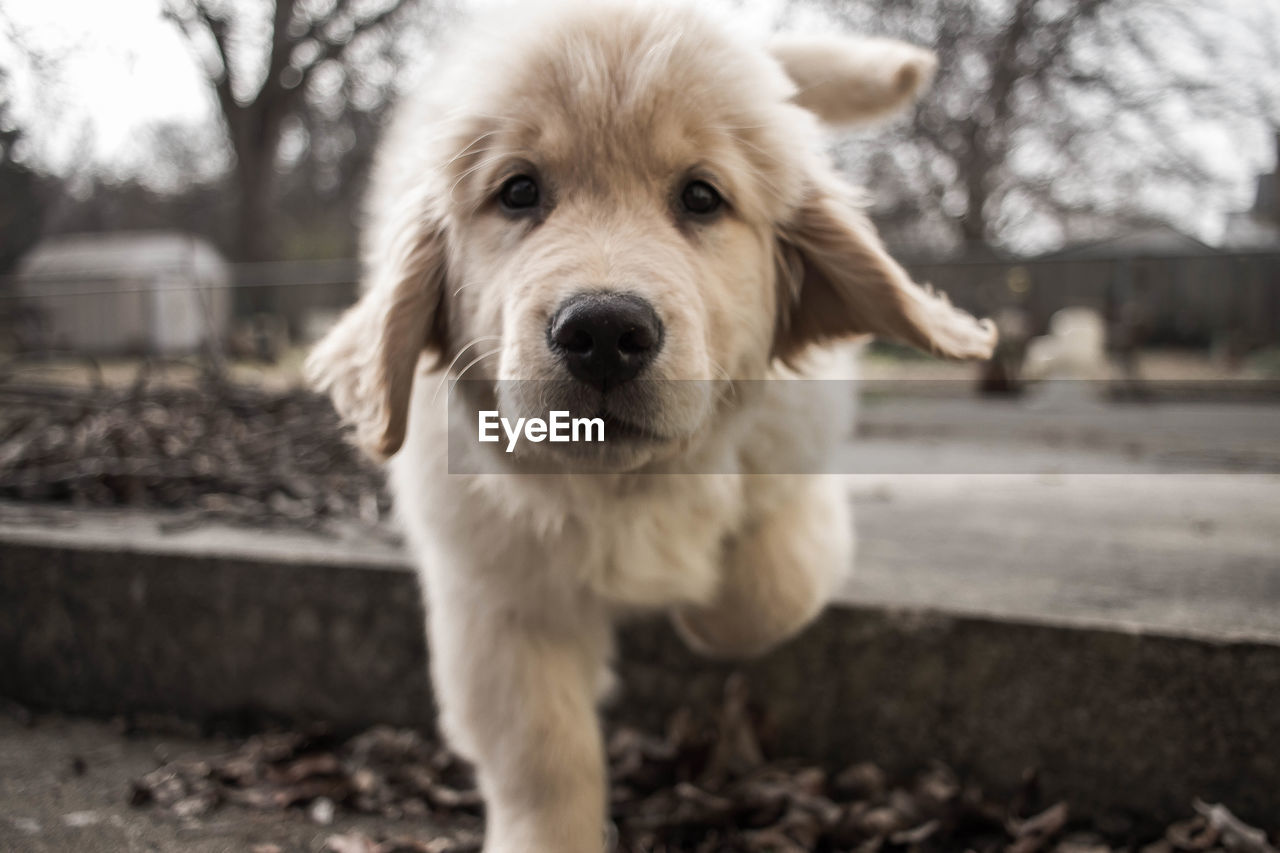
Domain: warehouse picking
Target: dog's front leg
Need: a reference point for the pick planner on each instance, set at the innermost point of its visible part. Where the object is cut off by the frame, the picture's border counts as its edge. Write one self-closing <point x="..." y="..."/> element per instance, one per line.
<point x="516" y="688"/>
<point x="779" y="571"/>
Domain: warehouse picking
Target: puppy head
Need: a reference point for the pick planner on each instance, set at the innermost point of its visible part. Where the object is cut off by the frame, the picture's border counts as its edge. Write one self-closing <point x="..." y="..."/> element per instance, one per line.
<point x="608" y="203"/>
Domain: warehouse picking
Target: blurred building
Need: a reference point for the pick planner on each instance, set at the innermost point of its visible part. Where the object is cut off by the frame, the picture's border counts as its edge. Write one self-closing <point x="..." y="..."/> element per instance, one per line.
<point x="1163" y="286"/>
<point x="157" y="293"/>
<point x="1154" y="286"/>
<point x="1258" y="227"/>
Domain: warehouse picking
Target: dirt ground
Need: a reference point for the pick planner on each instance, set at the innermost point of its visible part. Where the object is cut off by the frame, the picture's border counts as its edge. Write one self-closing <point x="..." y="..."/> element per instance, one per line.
<point x="79" y="786"/>
<point x="65" y="787"/>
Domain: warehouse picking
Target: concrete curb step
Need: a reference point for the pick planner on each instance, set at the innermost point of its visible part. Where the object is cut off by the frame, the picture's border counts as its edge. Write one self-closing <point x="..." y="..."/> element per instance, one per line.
<point x="1128" y="724"/>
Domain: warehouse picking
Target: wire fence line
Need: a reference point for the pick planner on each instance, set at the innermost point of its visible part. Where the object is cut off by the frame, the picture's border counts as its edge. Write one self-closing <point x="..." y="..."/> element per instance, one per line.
<point x="290" y="274"/>
<point x="1181" y="298"/>
<point x="269" y="274"/>
<point x="162" y="308"/>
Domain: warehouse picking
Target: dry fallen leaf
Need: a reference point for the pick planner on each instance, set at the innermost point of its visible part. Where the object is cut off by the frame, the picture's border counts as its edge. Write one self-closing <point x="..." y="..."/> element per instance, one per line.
<point x="1193" y="834"/>
<point x="863" y="781"/>
<point x="915" y="836"/>
<point x="1034" y="833"/>
<point x="736" y="749"/>
<point x="349" y="842"/>
<point x="1237" y="836"/>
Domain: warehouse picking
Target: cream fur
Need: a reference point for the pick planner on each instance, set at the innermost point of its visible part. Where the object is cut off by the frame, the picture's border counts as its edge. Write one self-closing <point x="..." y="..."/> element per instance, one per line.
<point x="847" y="80"/>
<point x="613" y="106"/>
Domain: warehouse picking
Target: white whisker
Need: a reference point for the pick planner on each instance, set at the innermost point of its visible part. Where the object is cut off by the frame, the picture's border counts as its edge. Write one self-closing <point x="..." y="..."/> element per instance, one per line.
<point x="465" y="286"/>
<point x="448" y="369"/>
<point x="478" y="166"/>
<point x="731" y="388"/>
<point x="466" y="149"/>
<point x="512" y="119"/>
<point x="476" y="361"/>
<point x="470" y="365"/>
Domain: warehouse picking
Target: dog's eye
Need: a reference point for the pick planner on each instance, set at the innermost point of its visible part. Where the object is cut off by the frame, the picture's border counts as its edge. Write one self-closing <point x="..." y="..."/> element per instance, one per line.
<point x="700" y="198"/>
<point x="519" y="193"/>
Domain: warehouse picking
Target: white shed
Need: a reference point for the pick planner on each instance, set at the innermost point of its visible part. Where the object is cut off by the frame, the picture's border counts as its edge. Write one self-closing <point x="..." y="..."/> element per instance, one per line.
<point x="156" y="292"/>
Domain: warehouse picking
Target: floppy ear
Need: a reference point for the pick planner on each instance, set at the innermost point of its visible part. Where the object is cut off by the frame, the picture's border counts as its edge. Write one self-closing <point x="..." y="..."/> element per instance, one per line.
<point x="836" y="280"/>
<point x="845" y="80"/>
<point x="366" y="363"/>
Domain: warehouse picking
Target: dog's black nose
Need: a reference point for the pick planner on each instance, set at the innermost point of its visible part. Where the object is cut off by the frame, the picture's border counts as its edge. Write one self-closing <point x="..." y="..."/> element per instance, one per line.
<point x="605" y="339"/>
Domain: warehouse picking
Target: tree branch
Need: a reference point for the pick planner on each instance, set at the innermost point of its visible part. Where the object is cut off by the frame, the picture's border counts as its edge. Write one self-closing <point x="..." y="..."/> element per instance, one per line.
<point x="332" y="49"/>
<point x="200" y="19"/>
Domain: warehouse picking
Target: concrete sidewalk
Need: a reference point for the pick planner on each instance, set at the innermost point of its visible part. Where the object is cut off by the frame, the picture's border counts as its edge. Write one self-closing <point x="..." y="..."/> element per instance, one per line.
<point x="1183" y="554"/>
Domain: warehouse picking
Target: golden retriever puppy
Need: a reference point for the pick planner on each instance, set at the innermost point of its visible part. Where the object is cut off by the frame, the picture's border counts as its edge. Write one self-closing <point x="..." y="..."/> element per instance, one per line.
<point x="624" y="210"/>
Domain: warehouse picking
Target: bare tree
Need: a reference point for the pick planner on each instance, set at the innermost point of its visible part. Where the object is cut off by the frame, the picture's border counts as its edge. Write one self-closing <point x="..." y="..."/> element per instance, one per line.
<point x="23" y="192"/>
<point x="259" y="95"/>
<point x="1049" y="118"/>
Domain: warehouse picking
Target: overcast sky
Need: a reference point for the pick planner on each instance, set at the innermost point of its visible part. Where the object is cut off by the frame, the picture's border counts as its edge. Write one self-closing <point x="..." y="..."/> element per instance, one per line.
<point x="115" y="66"/>
<point x="119" y="67"/>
